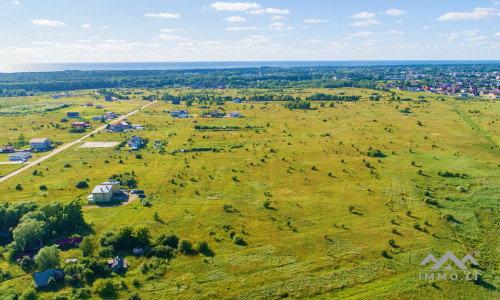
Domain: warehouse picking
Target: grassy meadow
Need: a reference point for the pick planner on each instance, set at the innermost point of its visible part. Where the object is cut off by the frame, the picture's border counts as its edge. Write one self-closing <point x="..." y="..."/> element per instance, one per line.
<point x="312" y="203"/>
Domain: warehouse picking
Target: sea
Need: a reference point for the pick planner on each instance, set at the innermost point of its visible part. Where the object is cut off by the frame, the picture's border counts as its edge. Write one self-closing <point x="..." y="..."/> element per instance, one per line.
<point x="122" y="66"/>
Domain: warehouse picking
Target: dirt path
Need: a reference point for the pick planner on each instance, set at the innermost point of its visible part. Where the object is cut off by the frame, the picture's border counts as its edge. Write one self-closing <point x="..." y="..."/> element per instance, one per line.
<point x="58" y="150"/>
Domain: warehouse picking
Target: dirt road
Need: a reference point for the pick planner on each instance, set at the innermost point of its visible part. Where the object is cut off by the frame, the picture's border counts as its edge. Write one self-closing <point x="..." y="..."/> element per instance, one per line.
<point x="58" y="150"/>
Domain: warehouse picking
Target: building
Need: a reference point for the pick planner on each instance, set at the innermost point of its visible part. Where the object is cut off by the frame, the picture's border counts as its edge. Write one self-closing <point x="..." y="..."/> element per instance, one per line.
<point x="41" y="144"/>
<point x="104" y="192"/>
<point x="118" y="264"/>
<point x="42" y="279"/>
<point x="73" y="115"/>
<point x="69" y="242"/>
<point x="216" y="114"/>
<point x="137" y="127"/>
<point x="89" y="104"/>
<point x="179" y="113"/>
<point x="176" y="101"/>
<point x="8" y="149"/>
<point x="20" y="156"/>
<point x="96" y="118"/>
<point x="234" y="114"/>
<point x="237" y="100"/>
<point x="81" y="125"/>
<point x="98" y="106"/>
<point x="135" y="142"/>
<point x="108" y="98"/>
<point x="120" y="126"/>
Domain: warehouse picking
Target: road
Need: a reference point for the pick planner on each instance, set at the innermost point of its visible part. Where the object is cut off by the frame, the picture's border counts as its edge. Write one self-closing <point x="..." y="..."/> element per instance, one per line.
<point x="58" y="150"/>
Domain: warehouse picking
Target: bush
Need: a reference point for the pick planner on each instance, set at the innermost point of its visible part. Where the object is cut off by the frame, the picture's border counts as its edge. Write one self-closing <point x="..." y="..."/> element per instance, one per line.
<point x="267" y="204"/>
<point x="82" y="185"/>
<point x="392" y="243"/>
<point x="238" y="240"/>
<point x="202" y="246"/>
<point x="18" y="187"/>
<point x="136" y="283"/>
<point x="134" y="296"/>
<point x="30" y="294"/>
<point x="138" y="156"/>
<point x="227" y="207"/>
<point x="43" y="187"/>
<point x="185" y="246"/>
<point x="106" y="288"/>
<point x="106" y="252"/>
<point x="375" y="153"/>
<point x="385" y="254"/>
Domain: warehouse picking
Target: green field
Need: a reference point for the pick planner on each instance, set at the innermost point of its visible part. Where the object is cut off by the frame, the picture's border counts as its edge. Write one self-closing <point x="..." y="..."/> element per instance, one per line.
<point x="312" y="203"/>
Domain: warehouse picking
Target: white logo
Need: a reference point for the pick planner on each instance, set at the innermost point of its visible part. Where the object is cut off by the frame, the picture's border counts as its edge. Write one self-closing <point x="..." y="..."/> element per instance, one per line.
<point x="449" y="272"/>
<point x="449" y="255"/>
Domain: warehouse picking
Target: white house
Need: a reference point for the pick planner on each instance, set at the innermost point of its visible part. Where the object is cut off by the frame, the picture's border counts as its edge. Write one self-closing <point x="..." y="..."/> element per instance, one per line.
<point x="179" y="113"/>
<point x="40" y="144"/>
<point x="19" y="156"/>
<point x="234" y="114"/>
<point x="135" y="142"/>
<point x="104" y="192"/>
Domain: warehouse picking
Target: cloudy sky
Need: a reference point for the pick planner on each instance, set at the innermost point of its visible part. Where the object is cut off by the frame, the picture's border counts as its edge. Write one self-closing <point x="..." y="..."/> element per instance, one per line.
<point x="45" y="31"/>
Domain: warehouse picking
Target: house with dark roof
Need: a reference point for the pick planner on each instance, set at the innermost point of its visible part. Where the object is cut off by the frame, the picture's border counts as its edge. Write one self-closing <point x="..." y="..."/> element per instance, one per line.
<point x="8" y="149"/>
<point x="40" y="144"/>
<point x="42" y="279"/>
<point x="69" y="242"/>
<point x="118" y="264"/>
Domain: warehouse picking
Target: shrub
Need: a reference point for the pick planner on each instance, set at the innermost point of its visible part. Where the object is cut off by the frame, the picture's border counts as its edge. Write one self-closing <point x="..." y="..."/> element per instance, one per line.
<point x="202" y="246"/>
<point x="385" y="254"/>
<point x="267" y="204"/>
<point x="375" y="153"/>
<point x="30" y="294"/>
<point x="106" y="288"/>
<point x="43" y="187"/>
<point x="134" y="296"/>
<point x="227" y="207"/>
<point x="106" y="251"/>
<point x="185" y="246"/>
<point x="392" y="242"/>
<point x="238" y="240"/>
<point x="136" y="283"/>
<point x="82" y="185"/>
<point x="18" y="187"/>
<point x="138" y="156"/>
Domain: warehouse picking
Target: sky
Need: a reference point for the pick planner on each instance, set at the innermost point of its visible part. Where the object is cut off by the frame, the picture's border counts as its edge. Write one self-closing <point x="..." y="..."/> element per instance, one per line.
<point x="51" y="31"/>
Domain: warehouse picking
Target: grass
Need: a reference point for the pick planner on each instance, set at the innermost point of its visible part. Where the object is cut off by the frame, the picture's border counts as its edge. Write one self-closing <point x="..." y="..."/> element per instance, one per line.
<point x="307" y="243"/>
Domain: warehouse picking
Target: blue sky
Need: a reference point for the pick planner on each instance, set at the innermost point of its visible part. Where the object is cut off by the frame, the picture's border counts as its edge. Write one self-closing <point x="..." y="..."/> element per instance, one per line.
<point x="46" y="31"/>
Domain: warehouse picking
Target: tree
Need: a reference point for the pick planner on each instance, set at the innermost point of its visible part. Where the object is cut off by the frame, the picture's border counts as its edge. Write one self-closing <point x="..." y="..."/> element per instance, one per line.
<point x="87" y="245"/>
<point x="29" y="231"/>
<point x="82" y="185"/>
<point x="30" y="294"/>
<point x="185" y="246"/>
<point x="47" y="257"/>
<point x="106" y="288"/>
<point x="202" y="246"/>
<point x="142" y="235"/>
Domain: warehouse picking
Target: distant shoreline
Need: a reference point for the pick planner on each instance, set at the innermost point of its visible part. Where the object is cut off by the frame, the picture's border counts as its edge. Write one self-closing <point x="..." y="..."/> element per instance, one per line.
<point x="151" y="66"/>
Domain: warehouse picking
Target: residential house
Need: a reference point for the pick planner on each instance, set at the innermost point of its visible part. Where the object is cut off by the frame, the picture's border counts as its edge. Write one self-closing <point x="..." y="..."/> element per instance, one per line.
<point x="89" y="104"/>
<point x="81" y="125"/>
<point x="118" y="264"/>
<point x="135" y="142"/>
<point x="234" y="114"/>
<point x="120" y="126"/>
<point x="216" y="114"/>
<point x="71" y="260"/>
<point x="98" y="106"/>
<point x="138" y="251"/>
<point x="108" y="98"/>
<point x="137" y="127"/>
<point x="73" y="115"/>
<point x="42" y="279"/>
<point x="41" y="144"/>
<point x="237" y="100"/>
<point x="20" y="156"/>
<point x="176" y="101"/>
<point x="97" y="118"/>
<point x="57" y="96"/>
<point x="179" y="113"/>
<point x="8" y="149"/>
<point x="69" y="242"/>
<point x="104" y="192"/>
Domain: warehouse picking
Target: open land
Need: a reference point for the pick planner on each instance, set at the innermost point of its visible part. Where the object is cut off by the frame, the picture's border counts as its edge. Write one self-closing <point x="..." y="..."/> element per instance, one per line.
<point x="314" y="201"/>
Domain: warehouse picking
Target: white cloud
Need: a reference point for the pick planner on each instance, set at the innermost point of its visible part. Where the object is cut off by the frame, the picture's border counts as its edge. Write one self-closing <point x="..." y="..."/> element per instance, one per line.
<point x="399" y="21"/>
<point x="478" y="38"/>
<point x="163" y="15"/>
<point x="394" y="12"/>
<point x="16" y="2"/>
<point x="472" y="32"/>
<point x="277" y="18"/>
<point x="313" y="41"/>
<point x="272" y="11"/>
<point x="243" y="28"/>
<point x="315" y="21"/>
<point x="396" y="32"/>
<point x="170" y="30"/>
<point x="86" y="26"/>
<point x="365" y="23"/>
<point x="236" y="19"/>
<point x="46" y="22"/>
<point x="497" y="34"/>
<point x="363" y="15"/>
<point x="276" y="25"/>
<point x="105" y="27"/>
<point x="363" y="34"/>
<point x="237" y="6"/>
<point x="479" y="13"/>
<point x="426" y="27"/>
<point x="170" y="37"/>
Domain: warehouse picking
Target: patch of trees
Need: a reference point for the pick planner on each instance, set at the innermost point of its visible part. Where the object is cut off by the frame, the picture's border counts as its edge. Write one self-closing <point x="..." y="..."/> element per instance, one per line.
<point x="31" y="223"/>
<point x="452" y="175"/>
<point x="326" y="97"/>
<point x="298" y="105"/>
<point x="127" y="179"/>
